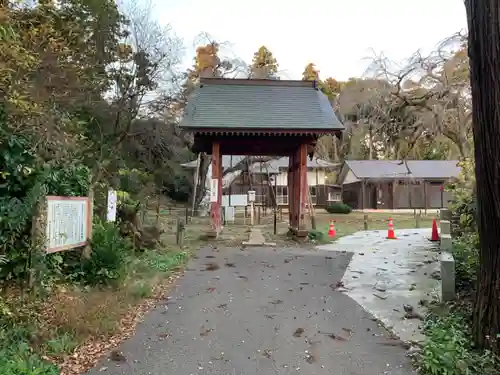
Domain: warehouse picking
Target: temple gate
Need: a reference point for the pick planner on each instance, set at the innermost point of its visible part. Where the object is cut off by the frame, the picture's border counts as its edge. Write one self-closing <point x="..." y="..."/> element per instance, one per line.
<point x="260" y="117"/>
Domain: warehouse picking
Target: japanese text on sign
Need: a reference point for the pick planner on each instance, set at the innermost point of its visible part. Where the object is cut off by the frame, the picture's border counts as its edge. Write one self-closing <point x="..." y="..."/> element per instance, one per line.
<point x="67" y="223"/>
<point x="214" y="190"/>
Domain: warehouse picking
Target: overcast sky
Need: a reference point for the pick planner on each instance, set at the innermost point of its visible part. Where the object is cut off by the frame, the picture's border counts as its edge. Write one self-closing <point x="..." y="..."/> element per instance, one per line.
<point x="339" y="36"/>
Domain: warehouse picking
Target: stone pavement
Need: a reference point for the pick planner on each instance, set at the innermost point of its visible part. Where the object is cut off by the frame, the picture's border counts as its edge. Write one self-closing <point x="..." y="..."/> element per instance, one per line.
<point x="256" y="238"/>
<point x="260" y="311"/>
<point x="387" y="277"/>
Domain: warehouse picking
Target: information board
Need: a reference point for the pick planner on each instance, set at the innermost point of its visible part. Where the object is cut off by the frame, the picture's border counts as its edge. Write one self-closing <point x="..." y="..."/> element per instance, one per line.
<point x="68" y="223"/>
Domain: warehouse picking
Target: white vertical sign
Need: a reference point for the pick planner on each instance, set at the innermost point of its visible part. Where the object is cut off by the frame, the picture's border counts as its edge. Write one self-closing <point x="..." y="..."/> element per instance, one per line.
<point x="112" y="201"/>
<point x="214" y="190"/>
<point x="229" y="214"/>
<point x="251" y="196"/>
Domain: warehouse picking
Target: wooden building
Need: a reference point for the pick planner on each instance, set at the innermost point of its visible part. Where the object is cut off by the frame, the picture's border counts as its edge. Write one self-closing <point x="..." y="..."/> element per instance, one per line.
<point x="260" y="117"/>
<point x="269" y="180"/>
<point x="395" y="184"/>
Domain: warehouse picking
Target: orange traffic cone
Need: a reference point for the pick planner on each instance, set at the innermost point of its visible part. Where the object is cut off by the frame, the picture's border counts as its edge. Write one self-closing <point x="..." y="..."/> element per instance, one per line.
<point x="390" y="231"/>
<point x="435" y="235"/>
<point x="331" y="231"/>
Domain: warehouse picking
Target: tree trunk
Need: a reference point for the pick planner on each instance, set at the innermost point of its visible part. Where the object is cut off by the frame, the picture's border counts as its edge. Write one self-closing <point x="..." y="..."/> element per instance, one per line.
<point x="370" y="142"/>
<point x="335" y="142"/>
<point x="483" y="18"/>
<point x="205" y="161"/>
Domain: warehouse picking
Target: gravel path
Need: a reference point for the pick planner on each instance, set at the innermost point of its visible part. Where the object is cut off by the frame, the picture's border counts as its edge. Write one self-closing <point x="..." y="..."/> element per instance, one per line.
<point x="260" y="311"/>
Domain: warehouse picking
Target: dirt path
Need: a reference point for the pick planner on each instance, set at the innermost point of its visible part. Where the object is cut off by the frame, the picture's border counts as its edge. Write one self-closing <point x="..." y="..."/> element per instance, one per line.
<point x="260" y="311"/>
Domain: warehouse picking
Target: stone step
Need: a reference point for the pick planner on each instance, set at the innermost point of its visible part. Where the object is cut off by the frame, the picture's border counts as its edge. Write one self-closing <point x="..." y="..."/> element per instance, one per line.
<point x="256" y="238"/>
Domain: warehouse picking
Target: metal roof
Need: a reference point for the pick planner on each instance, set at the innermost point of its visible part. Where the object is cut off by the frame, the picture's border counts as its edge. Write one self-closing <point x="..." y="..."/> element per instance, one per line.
<point x="388" y="169"/>
<point x="226" y="161"/>
<point x="276" y="164"/>
<point x="259" y="104"/>
<point x="272" y="165"/>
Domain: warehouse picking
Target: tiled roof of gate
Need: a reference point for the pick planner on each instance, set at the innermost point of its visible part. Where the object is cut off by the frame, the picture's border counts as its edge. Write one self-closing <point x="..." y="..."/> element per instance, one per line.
<point x="259" y="104"/>
<point x="430" y="169"/>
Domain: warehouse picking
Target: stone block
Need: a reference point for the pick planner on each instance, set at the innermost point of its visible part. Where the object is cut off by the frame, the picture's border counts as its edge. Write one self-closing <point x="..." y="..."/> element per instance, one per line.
<point x="258" y="244"/>
<point x="446" y="242"/>
<point x="256" y="239"/>
<point x="212" y="234"/>
<point x="445" y="226"/>
<point x="444" y="214"/>
<point x="447" y="276"/>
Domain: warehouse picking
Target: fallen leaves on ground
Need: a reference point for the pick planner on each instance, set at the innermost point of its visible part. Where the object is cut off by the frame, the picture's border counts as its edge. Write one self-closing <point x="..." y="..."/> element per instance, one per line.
<point x="205" y="331"/>
<point x="310" y="358"/>
<point x="348" y="330"/>
<point x="298" y="332"/>
<point x="88" y="355"/>
<point x="400" y="343"/>
<point x="335" y="336"/>
<point x="268" y="353"/>
<point x="337" y="285"/>
<point x="117" y="356"/>
<point x="211" y="267"/>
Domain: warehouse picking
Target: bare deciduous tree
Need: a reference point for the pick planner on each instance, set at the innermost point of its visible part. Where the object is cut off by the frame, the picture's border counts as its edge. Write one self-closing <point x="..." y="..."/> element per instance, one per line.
<point x="146" y="60"/>
<point x="432" y="94"/>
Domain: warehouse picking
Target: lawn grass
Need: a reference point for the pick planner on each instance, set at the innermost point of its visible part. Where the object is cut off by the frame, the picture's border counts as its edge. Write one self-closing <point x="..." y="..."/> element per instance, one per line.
<point x="346" y="224"/>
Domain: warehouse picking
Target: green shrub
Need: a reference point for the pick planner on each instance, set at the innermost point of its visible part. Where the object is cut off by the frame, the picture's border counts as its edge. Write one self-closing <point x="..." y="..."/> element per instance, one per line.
<point x="24" y="180"/>
<point x="60" y="345"/>
<point x="448" y="349"/>
<point x="17" y="357"/>
<point x="466" y="253"/>
<point x="315" y="235"/>
<point x="166" y="262"/>
<point x="20" y="360"/>
<point x="463" y="203"/>
<point x="109" y="256"/>
<point x="338" y="208"/>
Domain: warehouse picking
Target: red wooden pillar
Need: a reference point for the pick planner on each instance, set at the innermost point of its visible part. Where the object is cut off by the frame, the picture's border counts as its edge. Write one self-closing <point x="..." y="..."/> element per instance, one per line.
<point x="295" y="194"/>
<point x="303" y="186"/>
<point x="290" y="183"/>
<point x="216" y="191"/>
<point x="296" y="191"/>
